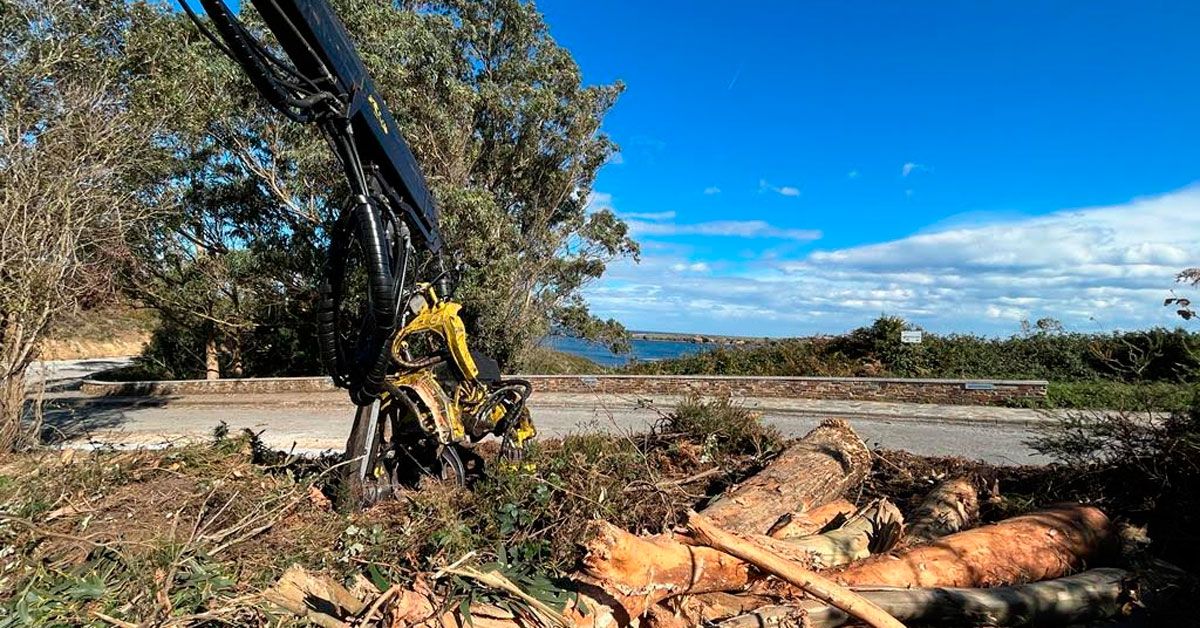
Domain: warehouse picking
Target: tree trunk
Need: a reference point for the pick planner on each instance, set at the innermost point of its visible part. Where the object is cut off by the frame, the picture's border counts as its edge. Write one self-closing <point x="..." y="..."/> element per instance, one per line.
<point x="1086" y="597"/>
<point x="12" y="409"/>
<point x="642" y="571"/>
<point x="1039" y="546"/>
<point x="791" y="572"/>
<point x="952" y="506"/>
<point x="821" y="467"/>
<point x="212" y="362"/>
<point x="810" y="522"/>
<point x="236" y="365"/>
<point x="16" y="351"/>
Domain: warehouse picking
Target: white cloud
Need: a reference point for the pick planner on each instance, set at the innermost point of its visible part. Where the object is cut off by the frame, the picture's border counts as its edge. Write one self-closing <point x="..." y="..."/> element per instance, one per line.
<point x="722" y="228"/>
<point x="853" y="174"/>
<point x="694" y="267"/>
<point x="785" y="190"/>
<point x="712" y="189"/>
<point x="597" y="201"/>
<point x="912" y="167"/>
<point x="616" y="159"/>
<point x="1095" y="269"/>
<point x="650" y="216"/>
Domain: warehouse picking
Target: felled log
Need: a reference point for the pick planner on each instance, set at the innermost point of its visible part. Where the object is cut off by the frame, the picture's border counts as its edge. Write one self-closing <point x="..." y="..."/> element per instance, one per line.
<point x="797" y="575"/>
<point x="825" y="464"/>
<point x="808" y="522"/>
<point x="1086" y="597"/>
<point x="873" y="529"/>
<point x="1039" y="546"/>
<point x="952" y="506"/>
<point x="642" y="571"/>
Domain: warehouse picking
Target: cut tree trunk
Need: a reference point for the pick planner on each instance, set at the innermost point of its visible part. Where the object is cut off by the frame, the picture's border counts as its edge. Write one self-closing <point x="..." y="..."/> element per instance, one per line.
<point x="1039" y="546"/>
<point x="642" y="571"/>
<point x="952" y="506"/>
<point x="1086" y="597"/>
<point x="824" y="465"/>
<point x="809" y="522"/>
<point x="875" y="528"/>
<point x="793" y="573"/>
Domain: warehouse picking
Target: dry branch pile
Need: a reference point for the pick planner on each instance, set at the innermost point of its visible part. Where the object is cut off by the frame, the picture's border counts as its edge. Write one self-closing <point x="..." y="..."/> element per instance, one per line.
<point x="784" y="549"/>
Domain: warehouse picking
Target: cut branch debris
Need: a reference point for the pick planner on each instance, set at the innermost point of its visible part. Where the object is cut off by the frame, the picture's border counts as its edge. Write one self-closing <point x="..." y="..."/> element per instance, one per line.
<point x="951" y="506"/>
<point x="803" y="523"/>
<point x="812" y="583"/>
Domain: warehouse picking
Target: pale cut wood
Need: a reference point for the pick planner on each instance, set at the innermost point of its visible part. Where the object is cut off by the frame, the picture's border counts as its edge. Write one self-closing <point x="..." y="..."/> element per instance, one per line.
<point x="875" y="528"/>
<point x="810" y="582"/>
<point x="809" y="521"/>
<point x="1090" y="596"/>
<point x="952" y="506"/>
<point x="826" y="464"/>
<point x="642" y="571"/>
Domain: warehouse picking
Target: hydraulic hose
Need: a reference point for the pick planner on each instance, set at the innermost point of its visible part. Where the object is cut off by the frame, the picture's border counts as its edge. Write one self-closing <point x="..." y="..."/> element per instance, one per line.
<point x="360" y="369"/>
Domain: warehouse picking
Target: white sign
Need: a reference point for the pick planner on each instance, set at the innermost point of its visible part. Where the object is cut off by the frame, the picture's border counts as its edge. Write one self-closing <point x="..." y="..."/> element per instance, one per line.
<point x="910" y="337"/>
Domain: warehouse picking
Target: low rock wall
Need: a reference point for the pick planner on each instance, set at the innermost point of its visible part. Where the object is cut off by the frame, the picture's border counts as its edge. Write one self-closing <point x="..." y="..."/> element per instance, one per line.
<point x="947" y="391"/>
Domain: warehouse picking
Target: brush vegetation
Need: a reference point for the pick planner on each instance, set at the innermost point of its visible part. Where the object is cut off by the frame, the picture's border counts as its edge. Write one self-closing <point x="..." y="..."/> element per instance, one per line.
<point x="191" y="535"/>
<point x="1154" y="368"/>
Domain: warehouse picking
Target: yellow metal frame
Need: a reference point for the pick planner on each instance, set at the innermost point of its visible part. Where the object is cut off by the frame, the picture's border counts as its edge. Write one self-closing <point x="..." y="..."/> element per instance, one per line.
<point x="442" y="416"/>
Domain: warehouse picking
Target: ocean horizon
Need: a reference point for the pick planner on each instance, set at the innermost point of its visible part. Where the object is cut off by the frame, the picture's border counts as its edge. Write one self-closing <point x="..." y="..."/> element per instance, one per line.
<point x="641" y="350"/>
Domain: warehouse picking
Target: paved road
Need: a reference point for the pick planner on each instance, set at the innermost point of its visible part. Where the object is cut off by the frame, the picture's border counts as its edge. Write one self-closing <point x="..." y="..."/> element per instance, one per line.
<point x="316" y="422"/>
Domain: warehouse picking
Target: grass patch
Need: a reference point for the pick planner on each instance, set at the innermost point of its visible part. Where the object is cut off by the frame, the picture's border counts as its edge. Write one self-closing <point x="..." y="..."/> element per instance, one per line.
<point x="1113" y="395"/>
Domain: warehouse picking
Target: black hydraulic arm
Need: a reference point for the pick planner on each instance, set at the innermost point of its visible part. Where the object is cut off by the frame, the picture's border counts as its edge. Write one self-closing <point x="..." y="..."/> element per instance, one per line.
<point x="322" y="81"/>
<point x="325" y="80"/>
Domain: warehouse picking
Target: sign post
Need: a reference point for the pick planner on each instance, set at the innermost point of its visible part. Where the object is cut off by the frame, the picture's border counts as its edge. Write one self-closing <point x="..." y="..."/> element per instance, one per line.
<point x="910" y="337"/>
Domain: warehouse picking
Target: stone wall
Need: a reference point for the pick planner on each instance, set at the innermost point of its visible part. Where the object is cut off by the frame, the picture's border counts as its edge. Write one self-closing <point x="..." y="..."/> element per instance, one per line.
<point x="949" y="391"/>
<point x="973" y="392"/>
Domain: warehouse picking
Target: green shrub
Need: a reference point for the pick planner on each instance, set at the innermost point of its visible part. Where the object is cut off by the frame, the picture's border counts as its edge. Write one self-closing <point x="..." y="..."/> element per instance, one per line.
<point x="724" y="428"/>
<point x="1143" y="465"/>
<point x="1041" y="351"/>
<point x="1115" y="395"/>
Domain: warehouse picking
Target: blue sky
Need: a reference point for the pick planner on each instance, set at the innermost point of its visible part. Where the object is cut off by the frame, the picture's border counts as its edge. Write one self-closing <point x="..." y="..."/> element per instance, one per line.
<point x="794" y="168"/>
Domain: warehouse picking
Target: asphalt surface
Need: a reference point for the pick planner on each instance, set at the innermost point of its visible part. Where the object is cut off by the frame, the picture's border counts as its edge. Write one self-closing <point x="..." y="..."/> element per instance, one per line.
<point x="317" y="422"/>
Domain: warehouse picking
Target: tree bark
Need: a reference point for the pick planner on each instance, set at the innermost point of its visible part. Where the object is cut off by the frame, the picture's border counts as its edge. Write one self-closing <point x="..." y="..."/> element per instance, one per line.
<point x="795" y="574"/>
<point x="952" y="506"/>
<point x="873" y="529"/>
<point x="1086" y="597"/>
<point x="809" y="522"/>
<point x="1039" y="546"/>
<point x="12" y="409"/>
<point x="212" y="362"/>
<point x="16" y="352"/>
<point x="821" y="467"/>
<point x="640" y="572"/>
